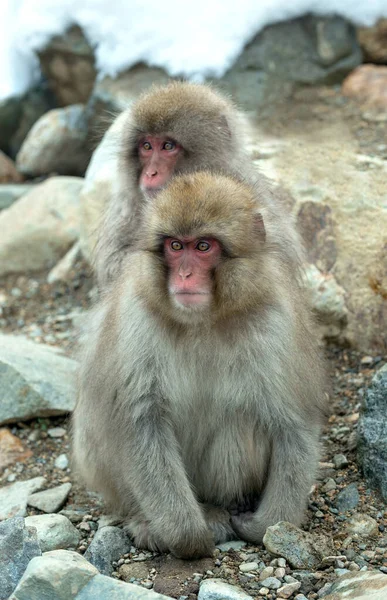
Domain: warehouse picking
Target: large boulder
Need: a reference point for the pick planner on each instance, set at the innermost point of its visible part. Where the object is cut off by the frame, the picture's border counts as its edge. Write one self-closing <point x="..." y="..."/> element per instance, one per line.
<point x="372" y="432"/>
<point x="38" y="229"/>
<point x="57" y="143"/>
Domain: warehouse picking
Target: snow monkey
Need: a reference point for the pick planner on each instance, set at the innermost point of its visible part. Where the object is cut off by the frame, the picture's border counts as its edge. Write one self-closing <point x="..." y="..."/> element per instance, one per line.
<point x="177" y="128"/>
<point x="201" y="389"/>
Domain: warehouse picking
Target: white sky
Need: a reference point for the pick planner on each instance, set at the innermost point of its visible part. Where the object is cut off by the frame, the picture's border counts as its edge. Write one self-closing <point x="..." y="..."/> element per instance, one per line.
<point x="194" y="38"/>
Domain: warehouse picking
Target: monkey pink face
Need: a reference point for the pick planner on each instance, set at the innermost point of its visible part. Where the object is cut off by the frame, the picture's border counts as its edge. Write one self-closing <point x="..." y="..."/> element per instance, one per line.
<point x="158" y="157"/>
<point x="191" y="263"/>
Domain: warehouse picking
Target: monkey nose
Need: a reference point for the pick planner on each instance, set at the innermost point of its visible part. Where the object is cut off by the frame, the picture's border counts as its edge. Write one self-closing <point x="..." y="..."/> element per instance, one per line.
<point x="151" y="173"/>
<point x="184" y="274"/>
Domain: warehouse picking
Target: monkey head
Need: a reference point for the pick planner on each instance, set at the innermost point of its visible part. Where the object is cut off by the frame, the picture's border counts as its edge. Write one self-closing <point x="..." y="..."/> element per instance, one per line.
<point x="204" y="243"/>
<point x="178" y="128"/>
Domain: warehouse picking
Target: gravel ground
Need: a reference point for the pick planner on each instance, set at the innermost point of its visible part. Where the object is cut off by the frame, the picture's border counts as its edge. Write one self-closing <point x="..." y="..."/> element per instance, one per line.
<point x="49" y="314"/>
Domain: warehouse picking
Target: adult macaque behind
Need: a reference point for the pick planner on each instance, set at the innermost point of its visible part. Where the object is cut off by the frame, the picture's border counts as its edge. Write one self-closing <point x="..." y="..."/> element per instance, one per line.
<point x="201" y="389"/>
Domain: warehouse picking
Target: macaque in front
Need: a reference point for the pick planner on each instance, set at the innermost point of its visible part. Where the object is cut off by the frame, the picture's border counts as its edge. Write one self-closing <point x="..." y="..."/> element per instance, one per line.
<point x="201" y="389"/>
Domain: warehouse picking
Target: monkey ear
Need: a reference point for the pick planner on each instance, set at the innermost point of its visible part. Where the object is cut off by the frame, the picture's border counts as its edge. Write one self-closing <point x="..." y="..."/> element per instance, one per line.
<point x="259" y="226"/>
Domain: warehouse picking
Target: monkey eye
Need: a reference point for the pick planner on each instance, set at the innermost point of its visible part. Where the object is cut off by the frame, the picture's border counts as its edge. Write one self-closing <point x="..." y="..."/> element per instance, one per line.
<point x="169" y="146"/>
<point x="203" y="246"/>
<point x="175" y="245"/>
<point x="147" y="146"/>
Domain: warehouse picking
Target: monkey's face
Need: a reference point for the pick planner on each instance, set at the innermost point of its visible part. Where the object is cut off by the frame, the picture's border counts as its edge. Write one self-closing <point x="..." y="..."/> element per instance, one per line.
<point x="191" y="263"/>
<point x="158" y="156"/>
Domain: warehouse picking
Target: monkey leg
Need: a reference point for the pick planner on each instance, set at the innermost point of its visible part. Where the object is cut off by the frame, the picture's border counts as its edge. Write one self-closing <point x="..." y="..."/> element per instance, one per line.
<point x="219" y="522"/>
<point x="292" y="468"/>
<point x="142" y="537"/>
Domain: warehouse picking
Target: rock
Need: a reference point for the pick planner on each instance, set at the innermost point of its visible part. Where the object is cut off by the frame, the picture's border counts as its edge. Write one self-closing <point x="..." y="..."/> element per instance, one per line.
<point x="340" y="461"/>
<point x="11" y="192"/>
<point x="247" y="567"/>
<point x="348" y="498"/>
<point x="62" y="462"/>
<point x="108" y="544"/>
<point x="362" y="526"/>
<point x="373" y="41"/>
<point x="368" y="84"/>
<point x="134" y="570"/>
<point x="35" y="380"/>
<point x="56" y="432"/>
<point x="329" y="486"/>
<point x="265" y="573"/>
<point x="98" y="188"/>
<point x="56" y="144"/>
<point x="215" y="589"/>
<point x="10" y="115"/>
<point x="272" y="583"/>
<point x="328" y="301"/>
<point x="18" y="545"/>
<point x="109" y="588"/>
<point x="54" y="532"/>
<point x="67" y="61"/>
<point x="8" y="170"/>
<point x="38" y="229"/>
<point x="372" y="433"/>
<point x="301" y="549"/>
<point x="364" y="585"/>
<point x="288" y="589"/>
<point x="13" y="498"/>
<point x="11" y="449"/>
<point x="62" y="271"/>
<point x="231" y="545"/>
<point x="307" y="50"/>
<point x="52" y="500"/>
<point x="57" y="575"/>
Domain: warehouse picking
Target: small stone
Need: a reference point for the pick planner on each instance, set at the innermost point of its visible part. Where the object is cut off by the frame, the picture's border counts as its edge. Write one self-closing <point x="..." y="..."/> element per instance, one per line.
<point x="281" y="562"/>
<point x="267" y="572"/>
<point x="52" y="500"/>
<point x="11" y="449"/>
<point x="62" y="462"/>
<point x="109" y="543"/>
<point x="133" y="570"/>
<point x="75" y="516"/>
<point x="288" y="589"/>
<point x="324" y="590"/>
<point x="300" y="597"/>
<point x="279" y="573"/>
<point x="247" y="567"/>
<point x="215" y="589"/>
<point x="348" y="498"/>
<point x="362" y="525"/>
<point x="54" y="532"/>
<point x="340" y="572"/>
<point x="84" y="526"/>
<point x="319" y="514"/>
<point x="263" y="591"/>
<point x="272" y="583"/>
<point x="56" y="432"/>
<point x="13" y="498"/>
<point x="329" y="485"/>
<point x="340" y="461"/>
<point x="353" y="566"/>
<point x="231" y="545"/>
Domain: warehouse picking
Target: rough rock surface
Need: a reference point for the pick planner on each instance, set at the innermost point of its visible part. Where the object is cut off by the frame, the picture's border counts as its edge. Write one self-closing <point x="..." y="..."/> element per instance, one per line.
<point x="8" y="170"/>
<point x="52" y="500"/>
<point x="372" y="432"/>
<point x="55" y="532"/>
<point x="35" y="380"/>
<point x="367" y="83"/>
<point x="38" y="229"/>
<point x="301" y="549"/>
<point x="371" y="585"/>
<point x="13" y="498"/>
<point x="56" y="144"/>
<point x="18" y="545"/>
<point x="216" y="589"/>
<point x="107" y="546"/>
<point x="11" y="192"/>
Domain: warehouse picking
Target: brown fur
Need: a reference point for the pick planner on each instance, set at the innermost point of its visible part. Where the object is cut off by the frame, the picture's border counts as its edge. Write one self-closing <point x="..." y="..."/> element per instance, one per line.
<point x="184" y="414"/>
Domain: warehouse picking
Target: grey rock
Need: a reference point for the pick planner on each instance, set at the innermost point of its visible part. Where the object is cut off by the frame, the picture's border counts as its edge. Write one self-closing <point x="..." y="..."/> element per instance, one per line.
<point x="348" y="498"/>
<point x="62" y="462"/>
<point x="106" y="587"/>
<point x="372" y="433"/>
<point x="340" y="461"/>
<point x="288" y="589"/>
<point x="248" y="566"/>
<point x="75" y="516"/>
<point x="56" y="432"/>
<point x="108" y="544"/>
<point x="10" y="192"/>
<point x="35" y="380"/>
<point x="272" y="583"/>
<point x="56" y="144"/>
<point x="362" y="525"/>
<point x="57" y="575"/>
<point x="52" y="500"/>
<point x="55" y="532"/>
<point x="301" y="549"/>
<point x="364" y="585"/>
<point x="13" y="498"/>
<point x="18" y="545"/>
<point x="38" y="229"/>
<point x="231" y="545"/>
<point x="216" y="589"/>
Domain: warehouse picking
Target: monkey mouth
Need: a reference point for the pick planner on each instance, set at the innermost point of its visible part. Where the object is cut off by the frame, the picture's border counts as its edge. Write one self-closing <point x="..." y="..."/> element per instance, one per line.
<point x="191" y="299"/>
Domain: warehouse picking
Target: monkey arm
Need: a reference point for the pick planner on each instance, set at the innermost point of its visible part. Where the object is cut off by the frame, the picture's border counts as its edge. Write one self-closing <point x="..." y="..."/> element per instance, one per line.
<point x="160" y="484"/>
<point x="293" y="463"/>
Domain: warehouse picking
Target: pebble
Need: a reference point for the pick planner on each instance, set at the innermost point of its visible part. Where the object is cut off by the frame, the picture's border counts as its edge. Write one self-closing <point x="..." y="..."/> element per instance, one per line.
<point x="215" y="589"/>
<point x="279" y="573"/>
<point x="109" y="543"/>
<point x="281" y="562"/>
<point x="55" y="532"/>
<point x="231" y="545"/>
<point x="272" y="583"/>
<point x="288" y="589"/>
<point x="340" y="572"/>
<point x="263" y="591"/>
<point x="267" y="572"/>
<point x="348" y="498"/>
<point x="329" y="485"/>
<point x="52" y="500"/>
<point x="13" y="498"/>
<point x="340" y="461"/>
<point x="62" y="462"/>
<point x="56" y="432"/>
<point x="247" y="567"/>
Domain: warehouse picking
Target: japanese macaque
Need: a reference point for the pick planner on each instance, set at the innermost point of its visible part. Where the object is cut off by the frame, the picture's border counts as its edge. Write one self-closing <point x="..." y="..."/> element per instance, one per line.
<point x="178" y="128"/>
<point x="201" y="390"/>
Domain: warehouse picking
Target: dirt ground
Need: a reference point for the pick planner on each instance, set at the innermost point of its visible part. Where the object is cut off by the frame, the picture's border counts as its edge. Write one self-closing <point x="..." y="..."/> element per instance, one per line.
<point x="49" y="314"/>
